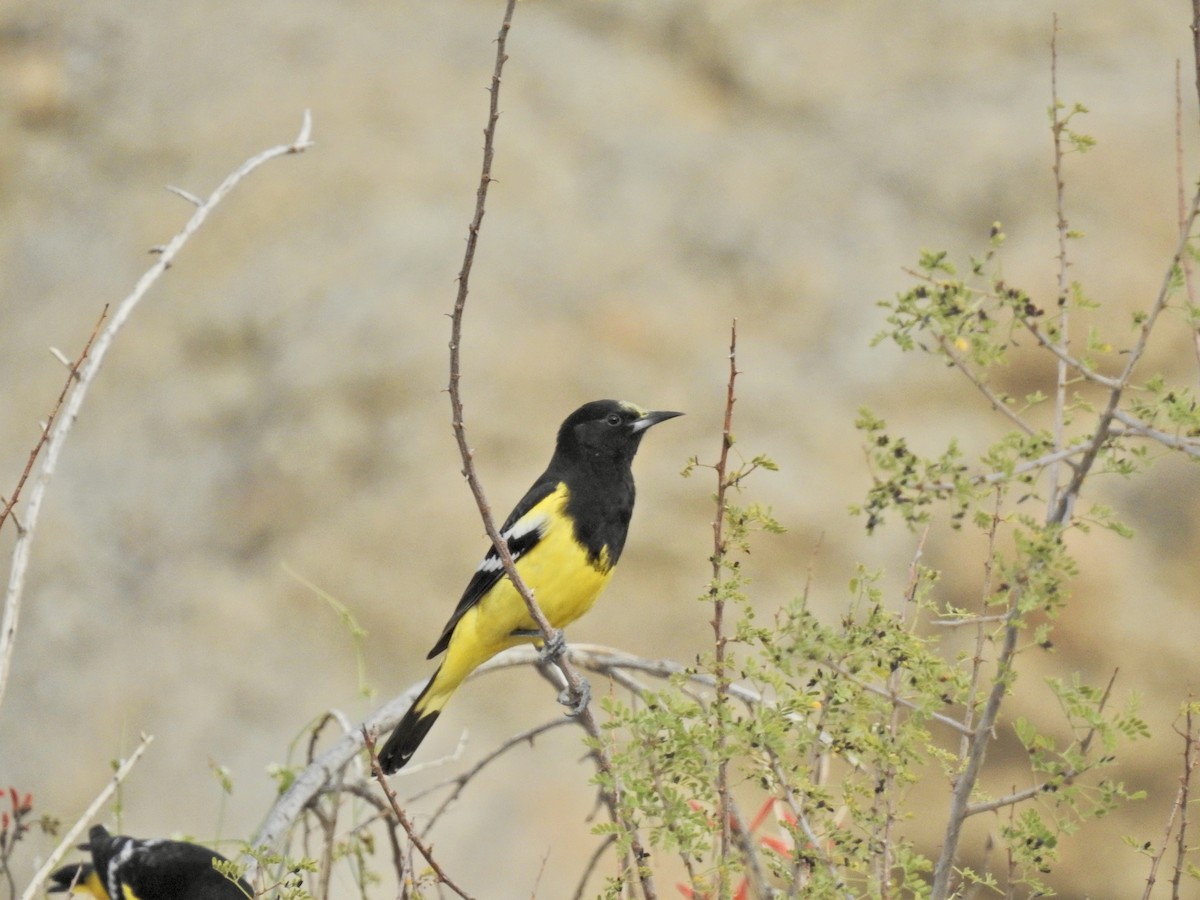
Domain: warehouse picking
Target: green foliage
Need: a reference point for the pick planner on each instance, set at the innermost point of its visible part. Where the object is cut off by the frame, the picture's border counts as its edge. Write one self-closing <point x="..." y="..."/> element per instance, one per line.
<point x="837" y="724"/>
<point x="233" y="871"/>
<point x="856" y="698"/>
<point x="286" y="881"/>
<point x="1061" y="125"/>
<point x="905" y="482"/>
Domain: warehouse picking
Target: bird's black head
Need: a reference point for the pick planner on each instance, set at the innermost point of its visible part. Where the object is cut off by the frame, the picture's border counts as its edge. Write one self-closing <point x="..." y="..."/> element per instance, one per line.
<point x="607" y="429"/>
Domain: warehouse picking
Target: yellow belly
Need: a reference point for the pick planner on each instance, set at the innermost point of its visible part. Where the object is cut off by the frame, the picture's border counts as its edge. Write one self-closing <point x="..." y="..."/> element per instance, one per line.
<point x="564" y="583"/>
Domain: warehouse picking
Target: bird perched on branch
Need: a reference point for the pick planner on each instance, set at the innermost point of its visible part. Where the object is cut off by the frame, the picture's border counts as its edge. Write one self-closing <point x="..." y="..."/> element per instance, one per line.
<point x="565" y="536"/>
<point x="125" y="868"/>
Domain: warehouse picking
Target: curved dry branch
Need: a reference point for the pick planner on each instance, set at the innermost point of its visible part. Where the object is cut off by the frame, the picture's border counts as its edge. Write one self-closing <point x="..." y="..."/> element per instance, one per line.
<point x="86" y="374"/>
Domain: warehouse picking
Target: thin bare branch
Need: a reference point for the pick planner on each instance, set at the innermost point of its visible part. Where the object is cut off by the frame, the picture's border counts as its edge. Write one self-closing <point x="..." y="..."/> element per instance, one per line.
<point x="968" y="620"/>
<point x="460" y="782"/>
<point x="1181" y="198"/>
<point x="33" y="889"/>
<point x="725" y="807"/>
<point x="1190" y="446"/>
<point x="362" y="791"/>
<point x="1062" y="229"/>
<point x="72" y="378"/>
<point x="1065" y="358"/>
<point x="62" y="357"/>
<point x="1191" y="744"/>
<point x="86" y="374"/>
<point x="591" y="866"/>
<point x="996" y="401"/>
<point x="382" y="781"/>
<point x="186" y="195"/>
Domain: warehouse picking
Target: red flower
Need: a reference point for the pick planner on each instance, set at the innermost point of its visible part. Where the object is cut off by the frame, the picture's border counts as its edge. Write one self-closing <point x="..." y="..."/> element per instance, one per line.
<point x="781" y="845"/>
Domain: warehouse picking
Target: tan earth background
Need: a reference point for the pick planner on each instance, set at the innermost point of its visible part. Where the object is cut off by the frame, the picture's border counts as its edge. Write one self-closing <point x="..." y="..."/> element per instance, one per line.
<point x="662" y="168"/>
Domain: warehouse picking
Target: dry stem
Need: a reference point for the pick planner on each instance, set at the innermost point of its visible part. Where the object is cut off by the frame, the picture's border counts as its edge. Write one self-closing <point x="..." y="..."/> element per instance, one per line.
<point x="86" y="374"/>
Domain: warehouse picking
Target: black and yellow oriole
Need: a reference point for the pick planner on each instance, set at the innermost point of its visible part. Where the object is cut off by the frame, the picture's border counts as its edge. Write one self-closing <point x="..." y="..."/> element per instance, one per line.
<point x="125" y="868"/>
<point x="565" y="537"/>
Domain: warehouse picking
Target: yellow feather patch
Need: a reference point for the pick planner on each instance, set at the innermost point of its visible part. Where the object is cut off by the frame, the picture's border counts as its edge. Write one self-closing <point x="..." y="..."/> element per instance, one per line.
<point x="91" y="886"/>
<point x="564" y="582"/>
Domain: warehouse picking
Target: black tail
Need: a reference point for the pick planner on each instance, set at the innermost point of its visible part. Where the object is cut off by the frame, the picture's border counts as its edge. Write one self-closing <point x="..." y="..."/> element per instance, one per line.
<point x="408" y="735"/>
<point x="67" y="876"/>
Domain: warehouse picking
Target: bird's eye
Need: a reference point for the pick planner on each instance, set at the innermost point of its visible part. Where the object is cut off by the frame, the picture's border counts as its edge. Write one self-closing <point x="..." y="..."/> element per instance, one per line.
<point x="613" y="419"/>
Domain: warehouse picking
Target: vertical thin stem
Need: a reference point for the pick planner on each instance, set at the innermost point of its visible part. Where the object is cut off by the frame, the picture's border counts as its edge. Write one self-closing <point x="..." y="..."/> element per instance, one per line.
<point x="960" y="799"/>
<point x="980" y="629"/>
<point x="1196" y="41"/>
<point x="1064" y="286"/>
<point x="1185" y="789"/>
<point x="1179" y="809"/>
<point x="398" y="812"/>
<point x="886" y="797"/>
<point x="721" y="705"/>
<point x="1181" y="199"/>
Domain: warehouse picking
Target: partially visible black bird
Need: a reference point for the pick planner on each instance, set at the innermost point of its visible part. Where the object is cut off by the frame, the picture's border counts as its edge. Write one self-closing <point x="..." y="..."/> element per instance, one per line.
<point x="565" y="536"/>
<point x="125" y="868"/>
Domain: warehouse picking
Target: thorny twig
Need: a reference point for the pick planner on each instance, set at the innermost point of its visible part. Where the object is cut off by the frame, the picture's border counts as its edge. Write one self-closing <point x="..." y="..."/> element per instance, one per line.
<point x="86" y="374"/>
<point x="1190" y="759"/>
<point x="1179" y="810"/>
<point x="591" y="866"/>
<point x="382" y="781"/>
<point x="362" y="791"/>
<point x="1062" y="230"/>
<point x="724" y="799"/>
<point x="72" y="377"/>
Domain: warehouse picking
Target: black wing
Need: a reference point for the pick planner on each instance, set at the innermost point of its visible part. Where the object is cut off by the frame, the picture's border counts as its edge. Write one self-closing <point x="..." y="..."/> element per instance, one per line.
<point x="491" y="569"/>
<point x="174" y="870"/>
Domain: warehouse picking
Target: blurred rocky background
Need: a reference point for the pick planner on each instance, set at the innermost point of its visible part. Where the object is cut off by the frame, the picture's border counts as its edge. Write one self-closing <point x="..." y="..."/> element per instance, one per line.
<point x="662" y="168"/>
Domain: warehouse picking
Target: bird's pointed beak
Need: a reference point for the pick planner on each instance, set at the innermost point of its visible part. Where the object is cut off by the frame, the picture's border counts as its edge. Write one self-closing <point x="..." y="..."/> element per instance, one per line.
<point x="653" y="418"/>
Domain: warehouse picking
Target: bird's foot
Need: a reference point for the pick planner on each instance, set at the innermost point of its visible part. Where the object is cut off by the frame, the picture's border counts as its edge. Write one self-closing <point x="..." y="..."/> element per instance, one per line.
<point x="553" y="648"/>
<point x="576" y="704"/>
